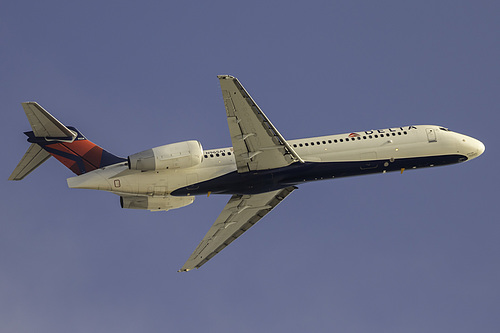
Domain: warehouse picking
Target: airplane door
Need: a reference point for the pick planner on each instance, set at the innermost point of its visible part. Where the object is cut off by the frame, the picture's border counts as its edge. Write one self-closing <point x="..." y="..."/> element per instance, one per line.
<point x="431" y="135"/>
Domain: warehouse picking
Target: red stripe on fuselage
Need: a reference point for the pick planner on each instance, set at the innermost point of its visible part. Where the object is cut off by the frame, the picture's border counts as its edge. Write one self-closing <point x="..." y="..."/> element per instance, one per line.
<point x="89" y="153"/>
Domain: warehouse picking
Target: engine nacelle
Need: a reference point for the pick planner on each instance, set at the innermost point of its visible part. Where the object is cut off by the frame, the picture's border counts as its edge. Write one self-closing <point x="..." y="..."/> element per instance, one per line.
<point x="155" y="203"/>
<point x="175" y="155"/>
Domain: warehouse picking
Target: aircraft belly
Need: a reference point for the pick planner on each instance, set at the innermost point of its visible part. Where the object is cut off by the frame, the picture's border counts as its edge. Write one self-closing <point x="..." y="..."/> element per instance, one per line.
<point x="298" y="173"/>
<point x="161" y="183"/>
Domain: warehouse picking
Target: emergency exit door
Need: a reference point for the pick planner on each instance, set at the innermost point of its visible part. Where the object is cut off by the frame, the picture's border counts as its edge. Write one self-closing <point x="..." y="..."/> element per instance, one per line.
<point x="431" y="135"/>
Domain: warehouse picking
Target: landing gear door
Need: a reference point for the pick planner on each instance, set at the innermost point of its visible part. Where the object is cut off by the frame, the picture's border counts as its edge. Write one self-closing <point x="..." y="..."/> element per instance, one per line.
<point x="431" y="134"/>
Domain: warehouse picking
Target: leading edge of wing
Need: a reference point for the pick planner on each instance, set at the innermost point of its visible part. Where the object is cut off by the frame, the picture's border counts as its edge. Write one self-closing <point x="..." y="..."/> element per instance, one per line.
<point x="257" y="143"/>
<point x="240" y="214"/>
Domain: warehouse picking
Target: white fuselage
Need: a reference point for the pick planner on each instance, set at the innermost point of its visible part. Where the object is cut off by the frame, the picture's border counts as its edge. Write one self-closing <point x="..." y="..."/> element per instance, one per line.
<point x="325" y="157"/>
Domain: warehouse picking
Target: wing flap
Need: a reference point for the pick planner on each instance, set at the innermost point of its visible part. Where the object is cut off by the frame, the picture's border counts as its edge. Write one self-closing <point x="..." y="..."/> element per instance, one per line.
<point x="240" y="214"/>
<point x="32" y="159"/>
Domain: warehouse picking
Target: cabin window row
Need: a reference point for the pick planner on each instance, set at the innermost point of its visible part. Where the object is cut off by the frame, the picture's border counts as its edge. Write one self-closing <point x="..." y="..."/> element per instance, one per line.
<point x="364" y="137"/>
<point x="217" y="155"/>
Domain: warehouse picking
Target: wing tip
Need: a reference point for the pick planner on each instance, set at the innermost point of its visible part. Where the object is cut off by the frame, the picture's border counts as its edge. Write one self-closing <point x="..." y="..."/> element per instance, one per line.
<point x="184" y="270"/>
<point x="225" y="77"/>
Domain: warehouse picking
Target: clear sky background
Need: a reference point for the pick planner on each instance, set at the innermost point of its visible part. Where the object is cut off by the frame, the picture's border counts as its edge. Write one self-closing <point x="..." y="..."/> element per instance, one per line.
<point x="417" y="252"/>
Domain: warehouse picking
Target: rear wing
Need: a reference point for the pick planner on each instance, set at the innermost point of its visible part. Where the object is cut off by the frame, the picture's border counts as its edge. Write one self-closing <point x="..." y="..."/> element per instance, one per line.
<point x="31" y="160"/>
<point x="44" y="125"/>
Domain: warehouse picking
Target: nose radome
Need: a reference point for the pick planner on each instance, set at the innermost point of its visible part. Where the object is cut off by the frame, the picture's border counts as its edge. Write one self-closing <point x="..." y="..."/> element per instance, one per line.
<point x="480" y="147"/>
<point x="471" y="147"/>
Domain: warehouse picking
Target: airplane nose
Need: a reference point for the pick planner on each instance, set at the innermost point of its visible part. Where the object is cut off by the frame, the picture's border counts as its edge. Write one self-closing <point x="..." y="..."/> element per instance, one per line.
<point x="480" y="147"/>
<point x="472" y="147"/>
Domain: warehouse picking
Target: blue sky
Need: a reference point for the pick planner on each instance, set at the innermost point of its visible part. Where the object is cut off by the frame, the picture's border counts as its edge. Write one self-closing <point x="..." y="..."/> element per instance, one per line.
<point x="385" y="253"/>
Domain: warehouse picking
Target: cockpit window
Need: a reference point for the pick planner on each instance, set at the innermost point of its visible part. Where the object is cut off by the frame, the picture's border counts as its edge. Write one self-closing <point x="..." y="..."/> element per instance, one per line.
<point x="444" y="129"/>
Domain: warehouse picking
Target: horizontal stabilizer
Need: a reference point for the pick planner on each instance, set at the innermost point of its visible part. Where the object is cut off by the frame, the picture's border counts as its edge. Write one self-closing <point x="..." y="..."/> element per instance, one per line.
<point x="45" y="125"/>
<point x="32" y="159"/>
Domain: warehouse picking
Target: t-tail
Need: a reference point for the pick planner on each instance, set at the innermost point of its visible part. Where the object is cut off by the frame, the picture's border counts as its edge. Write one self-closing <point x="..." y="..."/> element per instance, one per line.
<point x="51" y="138"/>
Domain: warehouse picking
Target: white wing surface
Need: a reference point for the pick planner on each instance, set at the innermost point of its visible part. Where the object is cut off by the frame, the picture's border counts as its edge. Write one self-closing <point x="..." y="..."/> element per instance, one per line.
<point x="240" y="213"/>
<point x="257" y="143"/>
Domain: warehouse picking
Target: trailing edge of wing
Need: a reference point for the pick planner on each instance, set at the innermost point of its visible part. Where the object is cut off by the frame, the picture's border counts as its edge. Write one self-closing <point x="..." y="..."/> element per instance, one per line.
<point x="32" y="159"/>
<point x="257" y="144"/>
<point x="239" y="214"/>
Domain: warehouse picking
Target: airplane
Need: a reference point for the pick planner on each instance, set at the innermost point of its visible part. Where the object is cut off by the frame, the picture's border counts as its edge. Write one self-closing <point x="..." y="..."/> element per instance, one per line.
<point x="259" y="170"/>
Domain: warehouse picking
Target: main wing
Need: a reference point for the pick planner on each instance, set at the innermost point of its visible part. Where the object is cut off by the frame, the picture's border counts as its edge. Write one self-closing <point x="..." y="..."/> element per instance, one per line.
<point x="240" y="213"/>
<point x="256" y="142"/>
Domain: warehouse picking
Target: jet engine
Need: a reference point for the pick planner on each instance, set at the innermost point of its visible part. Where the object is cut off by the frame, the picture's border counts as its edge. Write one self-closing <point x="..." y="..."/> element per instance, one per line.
<point x="172" y="156"/>
<point x="155" y="203"/>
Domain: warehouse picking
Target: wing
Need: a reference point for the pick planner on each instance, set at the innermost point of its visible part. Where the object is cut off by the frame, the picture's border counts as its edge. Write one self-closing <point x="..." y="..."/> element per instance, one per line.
<point x="256" y="142"/>
<point x="32" y="159"/>
<point x="240" y="213"/>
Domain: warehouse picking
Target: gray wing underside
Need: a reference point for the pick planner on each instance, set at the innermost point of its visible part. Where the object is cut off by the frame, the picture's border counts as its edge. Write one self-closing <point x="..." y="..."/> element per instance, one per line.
<point x="239" y="214"/>
<point x="256" y="142"/>
<point x="32" y="159"/>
